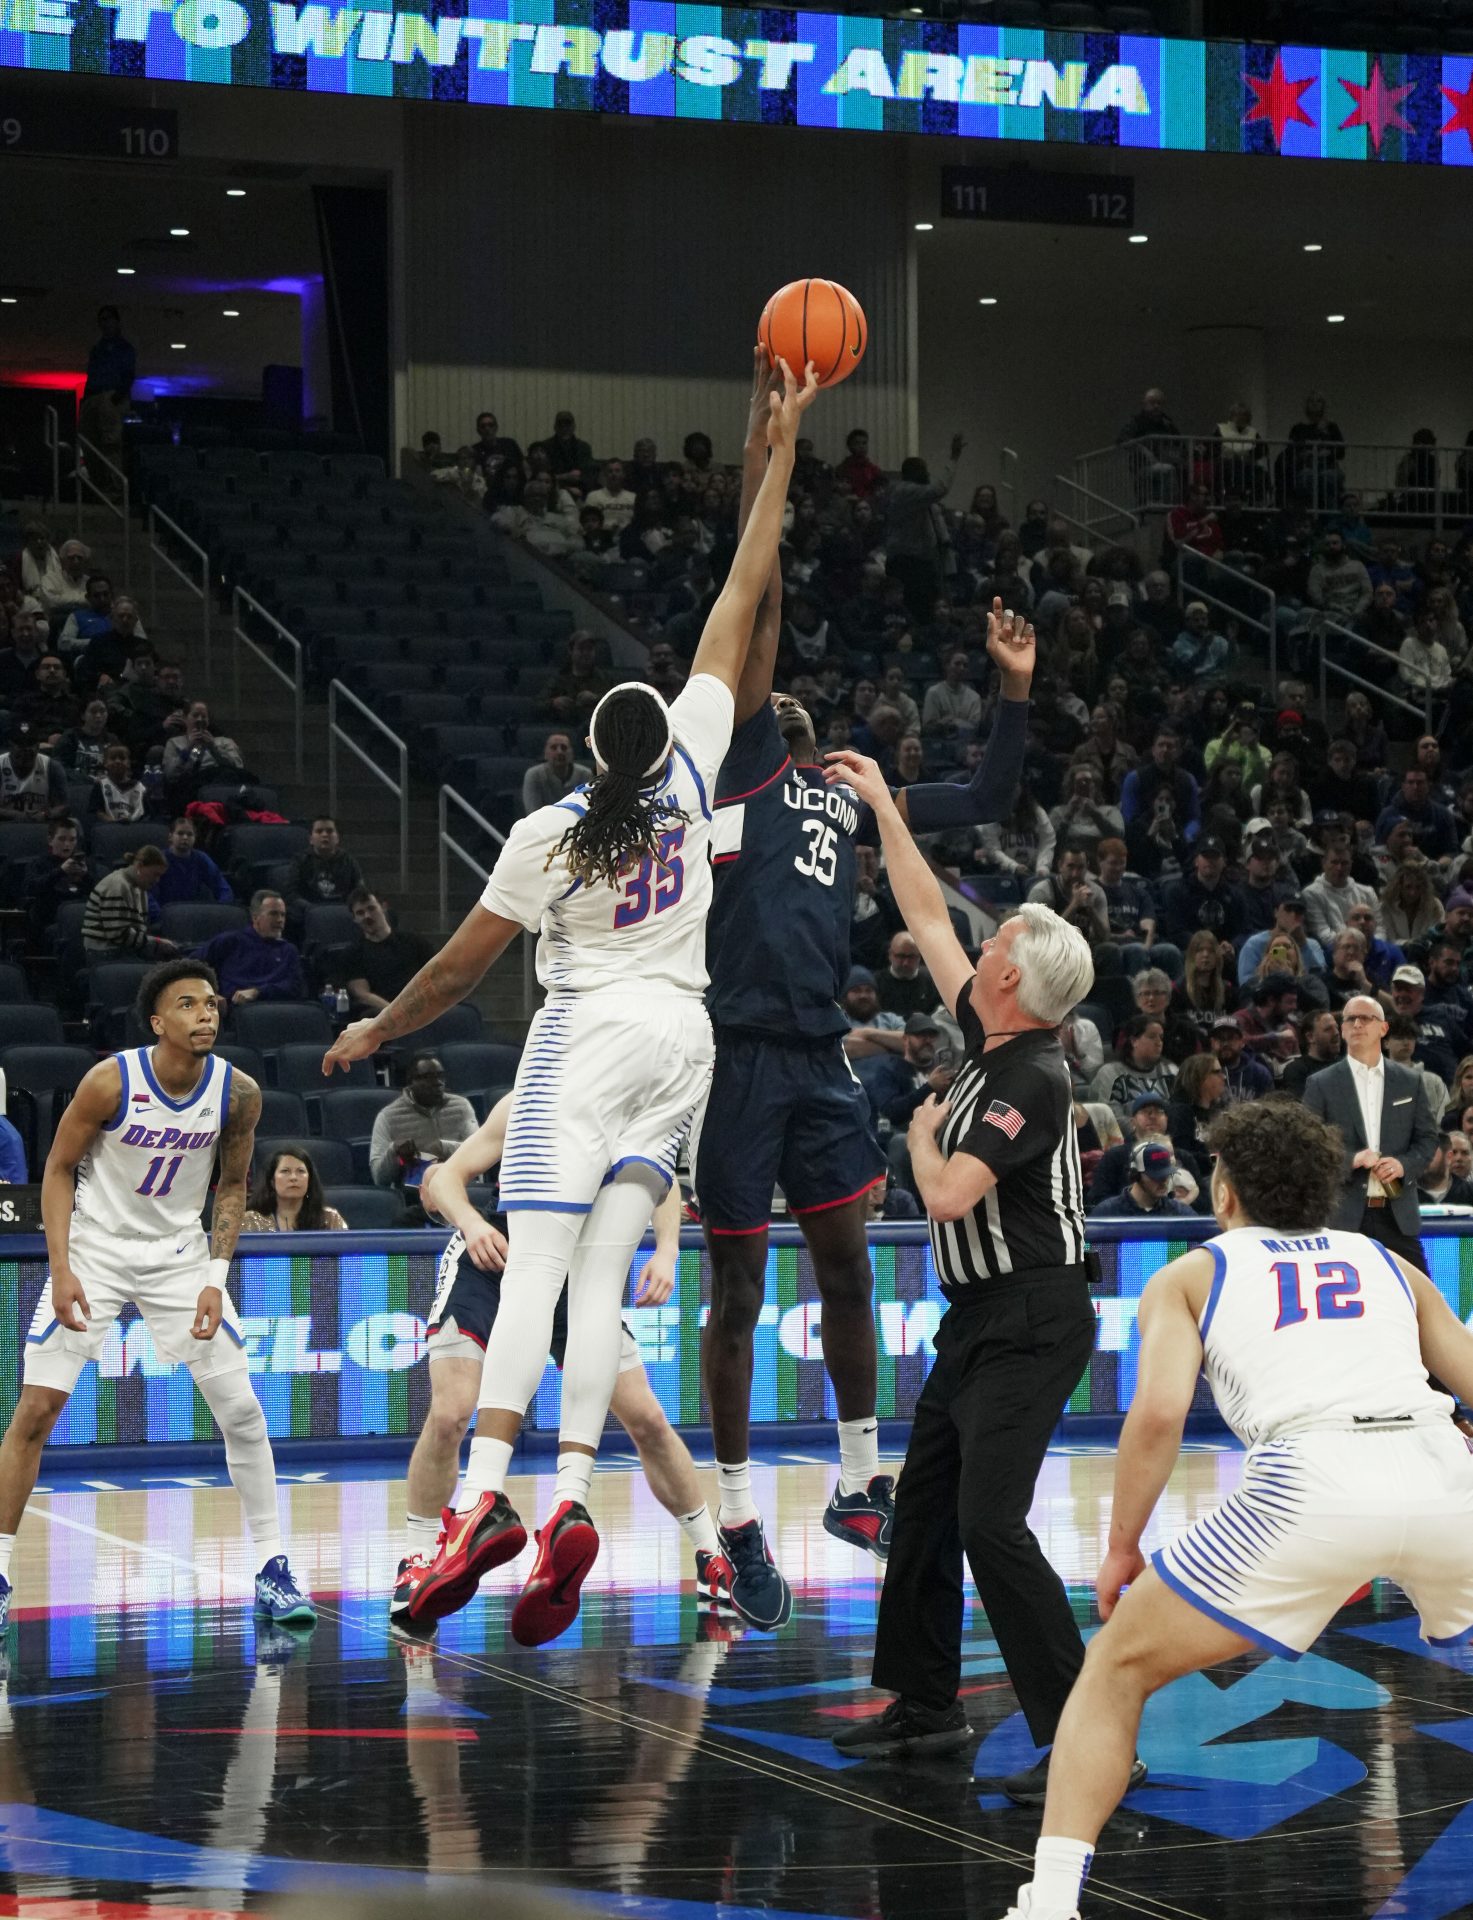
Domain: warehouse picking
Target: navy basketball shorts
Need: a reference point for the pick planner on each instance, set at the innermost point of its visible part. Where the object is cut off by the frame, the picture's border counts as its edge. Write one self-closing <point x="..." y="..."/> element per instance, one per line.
<point x="786" y="1115"/>
<point x="465" y="1309"/>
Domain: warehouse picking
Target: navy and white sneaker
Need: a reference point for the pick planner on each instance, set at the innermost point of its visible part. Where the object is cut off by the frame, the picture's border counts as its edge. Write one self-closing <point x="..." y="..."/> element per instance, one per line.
<point x="864" y="1519"/>
<point x="759" y="1593"/>
<point x="5" y="1593"/>
<point x="280" y="1598"/>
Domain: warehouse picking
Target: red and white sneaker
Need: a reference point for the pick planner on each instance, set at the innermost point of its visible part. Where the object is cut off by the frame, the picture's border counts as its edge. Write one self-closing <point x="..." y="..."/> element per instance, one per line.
<point x="470" y="1545"/>
<point x="412" y="1571"/>
<point x="566" y="1550"/>
<point x="713" y="1579"/>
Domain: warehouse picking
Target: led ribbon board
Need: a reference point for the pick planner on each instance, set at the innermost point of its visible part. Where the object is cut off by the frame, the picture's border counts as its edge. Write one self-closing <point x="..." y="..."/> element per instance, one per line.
<point x="799" y="69"/>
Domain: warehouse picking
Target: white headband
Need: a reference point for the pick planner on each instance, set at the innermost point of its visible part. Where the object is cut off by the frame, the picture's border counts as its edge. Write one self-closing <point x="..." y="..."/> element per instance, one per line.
<point x="635" y="686"/>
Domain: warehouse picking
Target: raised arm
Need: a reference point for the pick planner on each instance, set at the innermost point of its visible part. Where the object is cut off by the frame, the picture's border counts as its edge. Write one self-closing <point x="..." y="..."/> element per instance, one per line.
<point x="728" y="633"/>
<point x="92" y="1106"/>
<point x="916" y="891"/>
<point x="935" y="807"/>
<point x="441" y="983"/>
<point x="755" y="685"/>
<point x="237" y="1142"/>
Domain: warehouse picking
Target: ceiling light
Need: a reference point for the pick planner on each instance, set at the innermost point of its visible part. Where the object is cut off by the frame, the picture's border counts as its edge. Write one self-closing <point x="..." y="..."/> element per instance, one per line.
<point x="925" y="226"/>
<point x="177" y="346"/>
<point x="1139" y="239"/>
<point x="179" y="233"/>
<point x="1313" y="246"/>
<point x="235" y="193"/>
<point x="988" y="300"/>
<point x="127" y="270"/>
<point x="1334" y="318"/>
<point x="7" y="299"/>
<point x="232" y="313"/>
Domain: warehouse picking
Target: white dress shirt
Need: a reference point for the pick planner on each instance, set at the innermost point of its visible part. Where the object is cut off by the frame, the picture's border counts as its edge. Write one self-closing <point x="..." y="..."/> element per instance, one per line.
<point x="1370" y="1090"/>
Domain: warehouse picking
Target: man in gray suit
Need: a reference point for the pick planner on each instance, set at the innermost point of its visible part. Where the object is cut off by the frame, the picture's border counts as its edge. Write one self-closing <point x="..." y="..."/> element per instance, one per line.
<point x="1390" y="1136"/>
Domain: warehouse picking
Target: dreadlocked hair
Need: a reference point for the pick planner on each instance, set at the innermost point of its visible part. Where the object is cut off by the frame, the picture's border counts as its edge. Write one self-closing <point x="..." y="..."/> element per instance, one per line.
<point x="623" y="820"/>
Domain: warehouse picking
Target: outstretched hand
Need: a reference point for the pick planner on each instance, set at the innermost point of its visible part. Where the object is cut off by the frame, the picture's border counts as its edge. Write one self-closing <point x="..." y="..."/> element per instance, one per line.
<point x="767" y="382"/>
<point x="1012" y="645"/>
<point x="786" y="409"/>
<point x="359" y="1041"/>
<point x="855" y="770"/>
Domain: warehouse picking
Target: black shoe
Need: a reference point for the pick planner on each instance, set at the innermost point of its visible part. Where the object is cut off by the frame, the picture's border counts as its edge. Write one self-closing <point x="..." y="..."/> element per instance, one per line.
<point x="905" y="1727"/>
<point x="1030" y="1787"/>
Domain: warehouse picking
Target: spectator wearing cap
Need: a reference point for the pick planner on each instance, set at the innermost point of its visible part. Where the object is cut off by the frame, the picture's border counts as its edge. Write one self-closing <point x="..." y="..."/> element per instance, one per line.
<point x="1445" y="985"/>
<point x="1456" y="926"/>
<point x="1319" y="1036"/>
<point x="1153" y="1168"/>
<point x="903" y="985"/>
<point x="1432" y="827"/>
<point x="1145" y="1119"/>
<point x="1204" y="897"/>
<point x="1264" y="884"/>
<point x="1198" y="654"/>
<point x="1267" y="1022"/>
<point x="1442" y="1037"/>
<point x="32" y="784"/>
<point x="1343" y="787"/>
<point x="1439" y="1186"/>
<point x="1288" y="920"/>
<point x="1141" y="1067"/>
<point x="1247" y="1077"/>
<point x="1329" y="899"/>
<point x="889" y="1078"/>
<point x="871" y="1030"/>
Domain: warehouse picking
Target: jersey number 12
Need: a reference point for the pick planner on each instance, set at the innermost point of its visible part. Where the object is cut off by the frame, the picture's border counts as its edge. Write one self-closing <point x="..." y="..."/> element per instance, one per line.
<point x="822" y="857"/>
<point x="1333" y="1298"/>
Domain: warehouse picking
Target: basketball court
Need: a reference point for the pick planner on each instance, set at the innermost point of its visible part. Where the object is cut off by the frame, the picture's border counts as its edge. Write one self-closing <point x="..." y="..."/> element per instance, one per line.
<point x="160" y="1749"/>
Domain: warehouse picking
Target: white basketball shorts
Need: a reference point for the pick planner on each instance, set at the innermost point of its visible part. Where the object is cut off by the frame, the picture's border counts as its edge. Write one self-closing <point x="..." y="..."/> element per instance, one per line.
<point x="1318" y="1515"/>
<point x="162" y="1278"/>
<point x="607" y="1085"/>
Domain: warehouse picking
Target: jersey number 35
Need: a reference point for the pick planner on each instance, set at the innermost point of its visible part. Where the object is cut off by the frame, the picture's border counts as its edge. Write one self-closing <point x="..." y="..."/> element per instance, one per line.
<point x="822" y="857"/>
<point x="646" y="890"/>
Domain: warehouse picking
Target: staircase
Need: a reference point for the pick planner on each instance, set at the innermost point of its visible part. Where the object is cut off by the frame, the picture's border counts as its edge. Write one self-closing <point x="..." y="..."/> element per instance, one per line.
<point x="256" y="710"/>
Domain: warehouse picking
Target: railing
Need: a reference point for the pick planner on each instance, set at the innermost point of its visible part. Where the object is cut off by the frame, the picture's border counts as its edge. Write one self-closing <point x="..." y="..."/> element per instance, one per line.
<point x="1429" y="485"/>
<point x="51" y="435"/>
<point x="201" y="589"/>
<point x="1320" y="627"/>
<point x="292" y="681"/>
<point x="449" y="845"/>
<point x="1007" y="482"/>
<point x="399" y="788"/>
<point x="1234" y="581"/>
<point x="122" y="506"/>
<point x="1097" y="517"/>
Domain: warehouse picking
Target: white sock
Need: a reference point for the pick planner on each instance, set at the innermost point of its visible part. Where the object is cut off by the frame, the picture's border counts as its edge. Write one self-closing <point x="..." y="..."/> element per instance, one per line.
<point x="1059" y="1871"/>
<point x="700" y="1529"/>
<point x="859" y="1453"/>
<point x="486" y="1472"/>
<point x="421" y="1531"/>
<point x="735" y="1482"/>
<point x="574" y="1477"/>
<point x="7" y="1547"/>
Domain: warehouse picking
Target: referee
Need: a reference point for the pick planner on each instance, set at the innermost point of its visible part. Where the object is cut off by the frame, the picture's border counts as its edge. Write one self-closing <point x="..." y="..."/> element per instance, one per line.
<point x="997" y="1165"/>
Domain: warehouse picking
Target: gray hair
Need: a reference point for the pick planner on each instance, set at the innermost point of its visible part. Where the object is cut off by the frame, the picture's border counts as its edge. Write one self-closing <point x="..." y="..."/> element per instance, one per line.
<point x="1054" y="961"/>
<point x="1151" y="979"/>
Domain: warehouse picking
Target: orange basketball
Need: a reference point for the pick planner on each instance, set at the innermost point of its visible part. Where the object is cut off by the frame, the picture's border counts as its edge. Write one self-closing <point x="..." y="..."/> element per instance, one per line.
<point x="815" y="320"/>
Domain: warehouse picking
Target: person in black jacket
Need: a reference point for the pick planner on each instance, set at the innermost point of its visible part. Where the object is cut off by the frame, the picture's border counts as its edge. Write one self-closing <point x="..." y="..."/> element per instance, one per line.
<point x="324" y="873"/>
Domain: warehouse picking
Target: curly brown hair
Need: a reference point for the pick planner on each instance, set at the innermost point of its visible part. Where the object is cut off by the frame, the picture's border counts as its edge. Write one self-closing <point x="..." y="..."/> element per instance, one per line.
<point x="1282" y="1162"/>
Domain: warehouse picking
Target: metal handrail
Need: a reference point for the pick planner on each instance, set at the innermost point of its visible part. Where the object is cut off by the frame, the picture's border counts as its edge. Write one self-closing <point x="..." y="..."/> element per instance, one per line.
<point x="1113" y="510"/>
<point x="124" y="512"/>
<point x="1269" y="628"/>
<point x="293" y="681"/>
<point x="157" y="552"/>
<point x="1321" y="626"/>
<point x="1007" y="480"/>
<point x="448" y="844"/>
<point x="400" y="788"/>
<point x="51" y="436"/>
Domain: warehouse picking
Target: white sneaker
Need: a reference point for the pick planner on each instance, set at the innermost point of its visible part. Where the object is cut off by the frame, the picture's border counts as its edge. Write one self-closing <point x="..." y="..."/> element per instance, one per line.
<point x="1025" y="1909"/>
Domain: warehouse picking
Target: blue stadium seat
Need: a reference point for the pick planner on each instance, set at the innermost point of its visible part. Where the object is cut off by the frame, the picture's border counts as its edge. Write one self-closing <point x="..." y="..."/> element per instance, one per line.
<point x="113" y="840"/>
<point x="473" y="1065"/>
<point x="367" y="1209"/>
<point x="39" y="1081"/>
<point x="31" y="1026"/>
<point x="328" y="924"/>
<point x="299" y="1069"/>
<point x="255" y="845"/>
<point x="348" y="1114"/>
<point x="268" y="1025"/>
<point x="282" y="1112"/>
<point x="112" y="987"/>
<point x="22" y="840"/>
<point x="14" y="986"/>
<point x="192" y="923"/>
<point x="245" y="1059"/>
<point x="333" y="1159"/>
<point x="462" y="1023"/>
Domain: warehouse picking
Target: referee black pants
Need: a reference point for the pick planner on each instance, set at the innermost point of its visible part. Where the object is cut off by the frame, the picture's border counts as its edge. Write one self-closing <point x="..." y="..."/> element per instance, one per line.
<point x="1006" y="1364"/>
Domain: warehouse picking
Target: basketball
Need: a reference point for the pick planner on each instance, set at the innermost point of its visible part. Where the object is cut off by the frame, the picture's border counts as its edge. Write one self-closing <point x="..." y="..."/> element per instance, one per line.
<point x="815" y="320"/>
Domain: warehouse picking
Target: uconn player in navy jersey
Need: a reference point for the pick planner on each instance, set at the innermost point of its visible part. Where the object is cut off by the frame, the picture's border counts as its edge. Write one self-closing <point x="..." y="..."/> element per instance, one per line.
<point x="125" y="1184"/>
<point x="616" y="880"/>
<point x="785" y="1108"/>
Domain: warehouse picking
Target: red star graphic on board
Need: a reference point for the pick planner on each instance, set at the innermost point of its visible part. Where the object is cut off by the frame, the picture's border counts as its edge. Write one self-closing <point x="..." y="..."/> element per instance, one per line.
<point x="1462" y="105"/>
<point x="1377" y="106"/>
<point x="1277" y="100"/>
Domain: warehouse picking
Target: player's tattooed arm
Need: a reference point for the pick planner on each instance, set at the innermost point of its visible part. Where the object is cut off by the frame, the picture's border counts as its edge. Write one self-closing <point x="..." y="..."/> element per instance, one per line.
<point x="93" y="1105"/>
<point x="237" y="1141"/>
<point x="441" y="983"/>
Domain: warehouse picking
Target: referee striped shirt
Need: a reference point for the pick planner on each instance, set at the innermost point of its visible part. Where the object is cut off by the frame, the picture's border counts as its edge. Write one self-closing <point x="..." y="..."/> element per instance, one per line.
<point x="1012" y="1109"/>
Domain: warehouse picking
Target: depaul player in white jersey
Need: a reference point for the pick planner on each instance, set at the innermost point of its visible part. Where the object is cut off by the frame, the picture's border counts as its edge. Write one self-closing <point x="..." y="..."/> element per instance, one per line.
<point x="125" y="1184"/>
<point x="617" y="880"/>
<point x="1317" y="1345"/>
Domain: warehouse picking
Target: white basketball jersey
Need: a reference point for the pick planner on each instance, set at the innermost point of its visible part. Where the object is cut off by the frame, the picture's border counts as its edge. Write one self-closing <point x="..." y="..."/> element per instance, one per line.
<point x="149" y="1169"/>
<point x="1307" y="1330"/>
<point x="648" y="934"/>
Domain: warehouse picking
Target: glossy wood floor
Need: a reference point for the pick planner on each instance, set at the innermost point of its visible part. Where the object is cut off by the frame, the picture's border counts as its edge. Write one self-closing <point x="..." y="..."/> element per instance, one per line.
<point x="158" y="1748"/>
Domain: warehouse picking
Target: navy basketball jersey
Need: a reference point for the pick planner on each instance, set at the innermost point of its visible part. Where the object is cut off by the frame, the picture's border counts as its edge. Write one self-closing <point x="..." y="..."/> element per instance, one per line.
<point x="782" y="851"/>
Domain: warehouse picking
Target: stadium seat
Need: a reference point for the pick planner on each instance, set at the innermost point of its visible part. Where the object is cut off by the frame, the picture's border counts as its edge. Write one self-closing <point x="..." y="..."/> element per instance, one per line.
<point x="270" y="1024"/>
<point x="283" y="1112"/>
<point x="333" y="1159"/>
<point x="299" y="1070"/>
<point x="461" y="1023"/>
<point x="348" y="1114"/>
<point x="40" y="1080"/>
<point x="22" y="840"/>
<point x="472" y="1065"/>
<point x="112" y="841"/>
<point x="366" y="1209"/>
<point x="112" y="987"/>
<point x="193" y="923"/>
<point x="15" y="989"/>
<point x="26" y="1025"/>
<point x="328" y="924"/>
<point x="244" y="1059"/>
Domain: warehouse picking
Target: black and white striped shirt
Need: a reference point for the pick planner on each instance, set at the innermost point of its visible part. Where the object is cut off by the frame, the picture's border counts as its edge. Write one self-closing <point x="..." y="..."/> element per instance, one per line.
<point x="1013" y="1109"/>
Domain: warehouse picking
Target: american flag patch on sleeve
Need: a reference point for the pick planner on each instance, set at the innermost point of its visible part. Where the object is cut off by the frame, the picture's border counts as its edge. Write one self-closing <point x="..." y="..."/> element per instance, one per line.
<point x="1000" y="1114"/>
